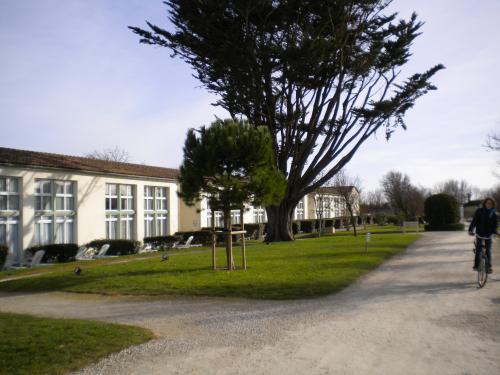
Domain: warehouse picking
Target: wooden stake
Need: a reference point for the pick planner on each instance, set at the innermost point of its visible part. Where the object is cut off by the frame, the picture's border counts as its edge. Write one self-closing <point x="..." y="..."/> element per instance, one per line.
<point x="243" y="250"/>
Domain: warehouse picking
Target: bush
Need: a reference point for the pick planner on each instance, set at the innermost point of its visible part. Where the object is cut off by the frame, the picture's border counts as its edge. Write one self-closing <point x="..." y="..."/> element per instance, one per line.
<point x="295" y="227"/>
<point x="55" y="252"/>
<point x="117" y="247"/>
<point x="337" y="223"/>
<point x="380" y="219"/>
<point x="308" y="226"/>
<point x="161" y="241"/>
<point x="441" y="210"/>
<point x="328" y="223"/>
<point x="4" y="250"/>
<point x="446" y="227"/>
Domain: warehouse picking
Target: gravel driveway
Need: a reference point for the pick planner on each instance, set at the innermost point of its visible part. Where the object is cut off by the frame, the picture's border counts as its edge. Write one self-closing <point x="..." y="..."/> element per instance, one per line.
<point x="419" y="313"/>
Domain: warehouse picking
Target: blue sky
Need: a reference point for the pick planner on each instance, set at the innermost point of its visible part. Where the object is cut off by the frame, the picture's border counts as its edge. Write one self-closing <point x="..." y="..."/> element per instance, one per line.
<point x="73" y="78"/>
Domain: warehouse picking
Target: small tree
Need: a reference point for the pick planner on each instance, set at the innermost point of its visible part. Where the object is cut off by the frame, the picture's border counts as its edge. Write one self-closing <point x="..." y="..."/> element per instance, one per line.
<point x="349" y="188"/>
<point x="230" y="163"/>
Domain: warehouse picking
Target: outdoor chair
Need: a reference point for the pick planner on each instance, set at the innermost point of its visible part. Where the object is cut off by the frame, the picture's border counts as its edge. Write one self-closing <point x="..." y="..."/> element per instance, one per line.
<point x="102" y="253"/>
<point x="36" y="261"/>
<point x="186" y="245"/>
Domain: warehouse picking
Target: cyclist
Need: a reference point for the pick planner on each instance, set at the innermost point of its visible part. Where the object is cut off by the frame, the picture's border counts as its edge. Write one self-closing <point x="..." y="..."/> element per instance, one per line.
<point x="485" y="223"/>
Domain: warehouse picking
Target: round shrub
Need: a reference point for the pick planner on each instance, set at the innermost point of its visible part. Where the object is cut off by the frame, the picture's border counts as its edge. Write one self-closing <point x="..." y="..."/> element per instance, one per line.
<point x="441" y="210"/>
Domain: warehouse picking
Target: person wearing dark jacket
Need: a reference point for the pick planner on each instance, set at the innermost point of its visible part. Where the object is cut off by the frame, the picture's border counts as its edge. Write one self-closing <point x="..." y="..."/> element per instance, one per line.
<point x="485" y="223"/>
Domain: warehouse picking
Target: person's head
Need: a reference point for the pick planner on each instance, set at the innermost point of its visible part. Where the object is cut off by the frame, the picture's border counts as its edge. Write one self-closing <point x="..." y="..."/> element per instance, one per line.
<point x="489" y="203"/>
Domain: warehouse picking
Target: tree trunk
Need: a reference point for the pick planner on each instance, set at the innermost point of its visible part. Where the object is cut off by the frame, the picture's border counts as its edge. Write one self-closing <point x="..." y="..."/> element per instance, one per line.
<point x="279" y="223"/>
<point x="353" y="220"/>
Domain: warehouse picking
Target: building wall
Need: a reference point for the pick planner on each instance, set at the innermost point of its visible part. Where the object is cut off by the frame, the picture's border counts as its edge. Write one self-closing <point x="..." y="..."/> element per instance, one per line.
<point x="89" y="198"/>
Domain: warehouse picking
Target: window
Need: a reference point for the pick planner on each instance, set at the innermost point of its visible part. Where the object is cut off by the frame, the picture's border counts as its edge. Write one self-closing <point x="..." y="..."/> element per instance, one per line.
<point x="112" y="227"/>
<point x="9" y="194"/>
<point x="111" y="197"/>
<point x="64" y="196"/>
<point x="9" y="235"/>
<point x="148" y="225"/>
<point x="148" y="198"/>
<point x="43" y="195"/>
<point x="119" y="204"/>
<point x="161" y="225"/>
<point x="156" y="207"/>
<point x="235" y="217"/>
<point x="299" y="210"/>
<point x="161" y="199"/>
<point x="219" y="219"/>
<point x="126" y="198"/>
<point x="54" y="212"/>
<point x="259" y="215"/>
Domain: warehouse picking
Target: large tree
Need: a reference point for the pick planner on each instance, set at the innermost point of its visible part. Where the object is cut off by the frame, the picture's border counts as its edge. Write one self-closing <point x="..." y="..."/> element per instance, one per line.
<point x="231" y="164"/>
<point x="349" y="188"/>
<point x="461" y="190"/>
<point x="323" y="76"/>
<point x="110" y="154"/>
<point x="403" y="197"/>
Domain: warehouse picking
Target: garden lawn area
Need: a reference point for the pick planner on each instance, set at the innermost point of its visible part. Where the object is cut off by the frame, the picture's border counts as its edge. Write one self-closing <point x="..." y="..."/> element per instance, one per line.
<point x="30" y="345"/>
<point x="285" y="270"/>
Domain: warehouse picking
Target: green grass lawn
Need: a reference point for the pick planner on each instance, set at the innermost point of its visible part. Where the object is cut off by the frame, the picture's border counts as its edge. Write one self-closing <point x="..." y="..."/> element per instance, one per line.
<point x="285" y="270"/>
<point x="30" y="345"/>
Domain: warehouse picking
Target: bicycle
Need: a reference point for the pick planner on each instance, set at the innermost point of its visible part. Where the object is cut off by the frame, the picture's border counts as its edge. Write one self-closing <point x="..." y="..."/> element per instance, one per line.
<point x="482" y="272"/>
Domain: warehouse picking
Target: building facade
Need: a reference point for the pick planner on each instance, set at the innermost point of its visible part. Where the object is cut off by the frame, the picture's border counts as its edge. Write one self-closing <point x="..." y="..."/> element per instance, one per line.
<point x="50" y="198"/>
<point x="333" y="205"/>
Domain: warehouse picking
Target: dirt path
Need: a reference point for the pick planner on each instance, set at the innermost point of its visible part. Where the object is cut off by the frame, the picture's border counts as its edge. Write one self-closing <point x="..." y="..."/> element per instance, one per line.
<point x="419" y="313"/>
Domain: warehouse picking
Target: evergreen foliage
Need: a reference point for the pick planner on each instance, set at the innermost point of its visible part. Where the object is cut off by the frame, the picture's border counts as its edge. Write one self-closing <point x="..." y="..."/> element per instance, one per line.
<point x="323" y="76"/>
<point x="441" y="210"/>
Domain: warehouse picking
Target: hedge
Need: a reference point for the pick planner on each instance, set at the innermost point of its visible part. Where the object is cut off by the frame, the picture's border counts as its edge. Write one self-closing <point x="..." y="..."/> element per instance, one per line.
<point x="117" y="247"/>
<point x="445" y="227"/>
<point x="4" y="250"/>
<point x="440" y="211"/>
<point x="55" y="252"/>
<point x="161" y="241"/>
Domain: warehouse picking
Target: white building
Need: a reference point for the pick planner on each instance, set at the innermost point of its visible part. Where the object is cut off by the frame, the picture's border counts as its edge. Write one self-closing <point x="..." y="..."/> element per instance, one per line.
<point x="50" y="198"/>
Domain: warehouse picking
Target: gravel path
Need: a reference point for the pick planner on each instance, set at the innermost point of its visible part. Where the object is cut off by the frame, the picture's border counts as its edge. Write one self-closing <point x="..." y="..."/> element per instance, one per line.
<point x="419" y="313"/>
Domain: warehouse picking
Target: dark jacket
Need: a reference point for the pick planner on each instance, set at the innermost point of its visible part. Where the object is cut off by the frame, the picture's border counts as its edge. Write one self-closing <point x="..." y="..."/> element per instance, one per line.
<point x="485" y="222"/>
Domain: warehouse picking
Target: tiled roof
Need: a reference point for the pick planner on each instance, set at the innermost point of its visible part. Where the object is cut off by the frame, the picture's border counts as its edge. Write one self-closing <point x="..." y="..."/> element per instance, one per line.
<point x="11" y="156"/>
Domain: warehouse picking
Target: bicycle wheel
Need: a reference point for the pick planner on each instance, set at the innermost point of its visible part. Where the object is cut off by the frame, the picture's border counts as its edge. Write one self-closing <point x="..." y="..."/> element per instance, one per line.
<point x="482" y="275"/>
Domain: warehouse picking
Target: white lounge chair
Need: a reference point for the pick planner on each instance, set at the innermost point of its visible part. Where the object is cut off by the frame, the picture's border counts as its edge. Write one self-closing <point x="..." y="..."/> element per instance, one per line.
<point x="85" y="253"/>
<point x="187" y="245"/>
<point x="148" y="248"/>
<point x="104" y="251"/>
<point x="36" y="261"/>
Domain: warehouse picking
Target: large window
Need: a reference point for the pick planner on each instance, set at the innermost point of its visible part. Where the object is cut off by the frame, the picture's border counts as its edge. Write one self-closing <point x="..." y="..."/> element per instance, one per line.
<point x="299" y="210"/>
<point x="235" y="217"/>
<point x="54" y="212"/>
<point x="219" y="219"/>
<point x="156" y="211"/>
<point x="9" y="194"/>
<point x="120" y="211"/>
<point x="9" y="215"/>
<point x="259" y="215"/>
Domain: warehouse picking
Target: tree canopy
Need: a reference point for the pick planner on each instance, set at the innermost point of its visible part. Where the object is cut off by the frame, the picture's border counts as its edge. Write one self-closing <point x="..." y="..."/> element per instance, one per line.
<point x="323" y="76"/>
<point x="231" y="163"/>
